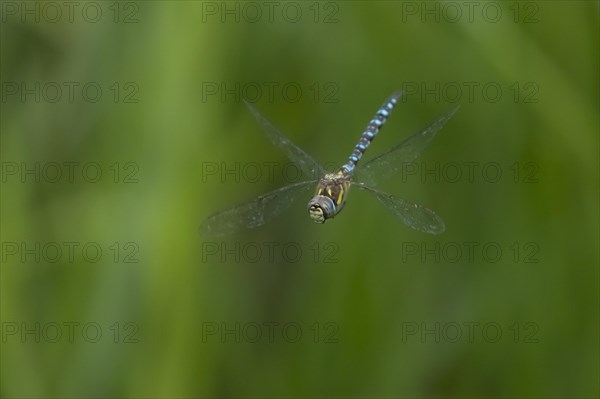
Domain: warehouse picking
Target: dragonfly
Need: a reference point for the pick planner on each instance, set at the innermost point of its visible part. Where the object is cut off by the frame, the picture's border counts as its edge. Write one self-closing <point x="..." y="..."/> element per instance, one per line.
<point x="332" y="189"/>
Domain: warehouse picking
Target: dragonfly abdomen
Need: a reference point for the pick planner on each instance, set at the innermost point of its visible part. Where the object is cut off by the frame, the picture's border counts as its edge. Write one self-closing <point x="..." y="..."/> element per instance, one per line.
<point x="371" y="131"/>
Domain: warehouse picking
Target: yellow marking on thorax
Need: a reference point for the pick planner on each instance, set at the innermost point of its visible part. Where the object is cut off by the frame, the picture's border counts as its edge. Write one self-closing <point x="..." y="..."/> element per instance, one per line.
<point x="329" y="191"/>
<point x="341" y="196"/>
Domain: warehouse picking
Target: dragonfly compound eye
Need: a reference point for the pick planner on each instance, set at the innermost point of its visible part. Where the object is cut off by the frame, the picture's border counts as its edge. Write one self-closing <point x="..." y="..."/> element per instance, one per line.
<point x="321" y="208"/>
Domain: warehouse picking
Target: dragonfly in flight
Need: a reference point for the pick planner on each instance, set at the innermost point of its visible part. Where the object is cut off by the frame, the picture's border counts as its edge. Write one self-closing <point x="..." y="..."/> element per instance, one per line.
<point x="332" y="188"/>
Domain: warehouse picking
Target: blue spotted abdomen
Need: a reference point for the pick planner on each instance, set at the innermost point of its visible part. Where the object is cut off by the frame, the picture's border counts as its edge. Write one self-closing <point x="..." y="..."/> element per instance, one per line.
<point x="371" y="131"/>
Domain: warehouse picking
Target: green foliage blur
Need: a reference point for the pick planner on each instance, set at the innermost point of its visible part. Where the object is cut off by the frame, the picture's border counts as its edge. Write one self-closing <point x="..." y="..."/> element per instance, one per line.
<point x="123" y="127"/>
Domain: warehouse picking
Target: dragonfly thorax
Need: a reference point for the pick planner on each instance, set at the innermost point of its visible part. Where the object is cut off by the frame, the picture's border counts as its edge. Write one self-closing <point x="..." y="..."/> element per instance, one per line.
<point x="330" y="196"/>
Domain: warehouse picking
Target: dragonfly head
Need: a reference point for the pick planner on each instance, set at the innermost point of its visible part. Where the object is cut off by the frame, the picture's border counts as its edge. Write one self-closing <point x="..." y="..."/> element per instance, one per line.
<point x="321" y="208"/>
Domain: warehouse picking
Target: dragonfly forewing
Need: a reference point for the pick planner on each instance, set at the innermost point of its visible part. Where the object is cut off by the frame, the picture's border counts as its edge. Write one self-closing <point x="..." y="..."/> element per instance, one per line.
<point x="257" y="212"/>
<point x="305" y="162"/>
<point x="413" y="215"/>
<point x="391" y="162"/>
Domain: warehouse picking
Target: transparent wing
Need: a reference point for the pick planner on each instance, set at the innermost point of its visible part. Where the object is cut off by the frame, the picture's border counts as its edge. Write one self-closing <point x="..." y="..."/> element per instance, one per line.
<point x="389" y="163"/>
<point x="413" y="215"/>
<point x="255" y="213"/>
<point x="307" y="164"/>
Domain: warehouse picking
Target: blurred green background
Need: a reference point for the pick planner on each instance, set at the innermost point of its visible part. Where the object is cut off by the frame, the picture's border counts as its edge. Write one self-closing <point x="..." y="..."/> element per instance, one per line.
<point x="148" y="94"/>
